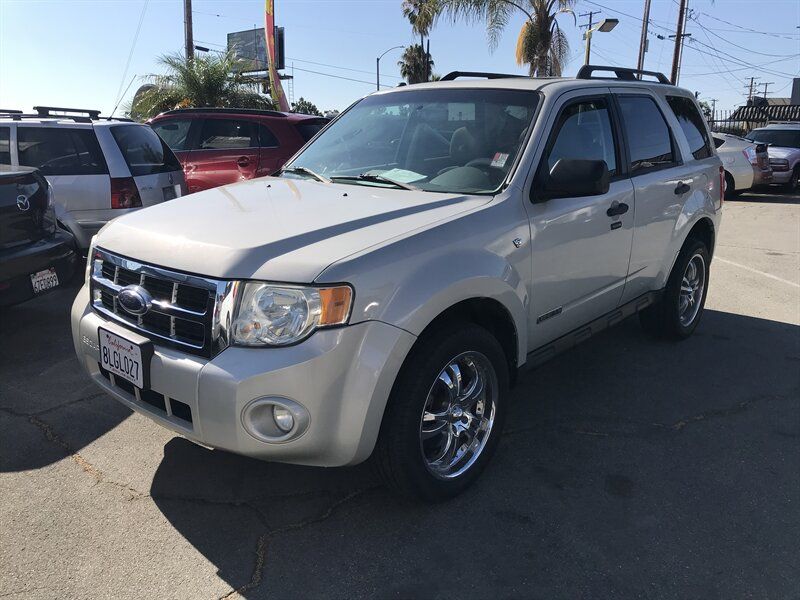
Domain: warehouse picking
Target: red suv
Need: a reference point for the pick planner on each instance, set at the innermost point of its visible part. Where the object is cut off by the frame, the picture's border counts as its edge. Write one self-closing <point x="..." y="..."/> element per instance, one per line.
<point x="224" y="145"/>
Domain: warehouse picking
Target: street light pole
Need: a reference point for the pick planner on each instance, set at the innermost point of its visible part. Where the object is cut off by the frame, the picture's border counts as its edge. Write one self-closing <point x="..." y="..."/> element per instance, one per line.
<point x="378" y="66"/>
<point x="604" y="26"/>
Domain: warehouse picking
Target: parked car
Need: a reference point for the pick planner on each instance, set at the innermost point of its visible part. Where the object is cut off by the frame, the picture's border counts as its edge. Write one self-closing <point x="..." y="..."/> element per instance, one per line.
<point x="217" y="146"/>
<point x="746" y="163"/>
<point x="783" y="140"/>
<point x="380" y="297"/>
<point x="35" y="254"/>
<point x="99" y="168"/>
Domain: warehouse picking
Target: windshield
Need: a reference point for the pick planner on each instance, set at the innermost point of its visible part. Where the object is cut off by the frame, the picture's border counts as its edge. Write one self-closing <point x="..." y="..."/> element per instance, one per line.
<point x="788" y="138"/>
<point x="442" y="140"/>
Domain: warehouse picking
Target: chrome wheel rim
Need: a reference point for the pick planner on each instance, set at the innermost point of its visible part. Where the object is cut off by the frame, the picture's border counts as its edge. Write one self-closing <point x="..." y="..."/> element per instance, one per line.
<point x="458" y="415"/>
<point x="692" y="288"/>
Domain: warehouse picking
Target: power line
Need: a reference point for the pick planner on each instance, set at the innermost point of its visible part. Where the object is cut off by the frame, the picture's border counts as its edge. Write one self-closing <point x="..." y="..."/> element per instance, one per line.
<point x="130" y="54"/>
<point x="337" y="76"/>
<point x="711" y="31"/>
<point x="338" y="67"/>
<point x="738" y="61"/>
<point x="783" y="35"/>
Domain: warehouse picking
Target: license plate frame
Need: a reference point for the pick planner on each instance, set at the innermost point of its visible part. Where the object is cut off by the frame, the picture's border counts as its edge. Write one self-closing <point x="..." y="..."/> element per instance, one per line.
<point x="141" y="352"/>
<point x="44" y="280"/>
<point x="169" y="193"/>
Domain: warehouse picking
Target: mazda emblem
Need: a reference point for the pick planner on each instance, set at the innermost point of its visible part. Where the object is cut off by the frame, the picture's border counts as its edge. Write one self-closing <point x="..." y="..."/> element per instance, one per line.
<point x="135" y="300"/>
<point x="23" y="203"/>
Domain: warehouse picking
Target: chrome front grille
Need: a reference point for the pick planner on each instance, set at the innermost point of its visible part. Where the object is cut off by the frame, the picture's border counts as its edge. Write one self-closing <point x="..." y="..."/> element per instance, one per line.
<point x="183" y="312"/>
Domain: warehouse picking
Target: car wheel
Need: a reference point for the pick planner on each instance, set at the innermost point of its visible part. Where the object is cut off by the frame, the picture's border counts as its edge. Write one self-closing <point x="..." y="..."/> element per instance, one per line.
<point x="793" y="184"/>
<point x="676" y="315"/>
<point x="445" y="414"/>
<point x="730" y="187"/>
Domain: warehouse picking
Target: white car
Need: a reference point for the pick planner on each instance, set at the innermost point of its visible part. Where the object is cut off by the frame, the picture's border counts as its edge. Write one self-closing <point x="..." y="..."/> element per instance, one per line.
<point x="97" y="168"/>
<point x="746" y="163"/>
<point x="381" y="295"/>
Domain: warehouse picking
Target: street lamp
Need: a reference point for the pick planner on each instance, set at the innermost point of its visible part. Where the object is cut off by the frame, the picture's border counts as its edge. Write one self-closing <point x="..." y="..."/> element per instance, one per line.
<point x="378" y="66"/>
<point x="605" y="26"/>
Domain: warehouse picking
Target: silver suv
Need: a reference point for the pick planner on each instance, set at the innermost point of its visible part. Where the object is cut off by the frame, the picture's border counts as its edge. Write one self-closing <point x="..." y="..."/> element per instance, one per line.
<point x="378" y="298"/>
<point x="98" y="168"/>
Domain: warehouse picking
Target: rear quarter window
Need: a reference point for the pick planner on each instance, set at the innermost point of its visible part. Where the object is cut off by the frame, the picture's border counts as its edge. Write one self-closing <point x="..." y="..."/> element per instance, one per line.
<point x="692" y="124"/>
<point x="144" y="152"/>
<point x="310" y="128"/>
<point x="175" y="132"/>
<point x="60" y="150"/>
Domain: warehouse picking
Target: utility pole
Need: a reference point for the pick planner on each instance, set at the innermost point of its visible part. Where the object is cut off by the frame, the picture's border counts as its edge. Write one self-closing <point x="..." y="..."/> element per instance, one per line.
<point x="643" y="42"/>
<point x="750" y="88"/>
<point x="676" y="57"/>
<point x="766" y="85"/>
<point x="588" y="36"/>
<point x="187" y="29"/>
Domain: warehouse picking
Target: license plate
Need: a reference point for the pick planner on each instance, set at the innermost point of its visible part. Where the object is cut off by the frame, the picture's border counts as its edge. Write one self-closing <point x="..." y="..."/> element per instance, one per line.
<point x="44" y="280"/>
<point x="170" y="193"/>
<point x="124" y="358"/>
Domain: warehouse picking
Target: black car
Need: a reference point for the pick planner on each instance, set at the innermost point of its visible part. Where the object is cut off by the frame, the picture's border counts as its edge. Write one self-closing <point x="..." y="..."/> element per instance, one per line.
<point x="36" y="255"/>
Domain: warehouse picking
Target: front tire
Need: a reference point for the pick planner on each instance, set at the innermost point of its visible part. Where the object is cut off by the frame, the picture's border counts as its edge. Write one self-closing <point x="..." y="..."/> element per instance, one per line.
<point x="793" y="185"/>
<point x="445" y="414"/>
<point x="676" y="315"/>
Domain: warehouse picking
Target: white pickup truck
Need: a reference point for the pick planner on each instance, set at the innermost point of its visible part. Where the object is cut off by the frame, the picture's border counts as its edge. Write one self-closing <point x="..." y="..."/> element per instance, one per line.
<point x="378" y="297"/>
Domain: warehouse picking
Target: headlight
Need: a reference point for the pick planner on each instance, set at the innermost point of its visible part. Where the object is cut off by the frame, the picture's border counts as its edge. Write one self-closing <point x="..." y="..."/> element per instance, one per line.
<point x="277" y="315"/>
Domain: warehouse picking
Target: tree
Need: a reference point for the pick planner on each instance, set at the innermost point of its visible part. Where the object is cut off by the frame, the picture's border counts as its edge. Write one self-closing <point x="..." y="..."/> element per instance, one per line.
<point x="210" y="80"/>
<point x="704" y="106"/>
<point x="422" y="15"/>
<point x="412" y="64"/>
<point x="540" y="44"/>
<point x="305" y="107"/>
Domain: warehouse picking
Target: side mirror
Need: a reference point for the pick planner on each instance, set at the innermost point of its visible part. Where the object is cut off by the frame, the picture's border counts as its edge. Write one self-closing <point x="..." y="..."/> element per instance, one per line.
<point x="573" y="178"/>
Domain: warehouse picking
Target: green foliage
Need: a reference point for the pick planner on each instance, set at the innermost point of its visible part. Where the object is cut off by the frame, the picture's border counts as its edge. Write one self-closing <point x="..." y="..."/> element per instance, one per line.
<point x="305" y="107"/>
<point x="205" y="81"/>
<point x="412" y="64"/>
<point x="421" y="14"/>
<point x="540" y="44"/>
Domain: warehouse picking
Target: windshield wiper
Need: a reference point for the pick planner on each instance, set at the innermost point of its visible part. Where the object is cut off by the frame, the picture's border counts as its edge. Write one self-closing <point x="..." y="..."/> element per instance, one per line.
<point x="375" y="179"/>
<point x="305" y="171"/>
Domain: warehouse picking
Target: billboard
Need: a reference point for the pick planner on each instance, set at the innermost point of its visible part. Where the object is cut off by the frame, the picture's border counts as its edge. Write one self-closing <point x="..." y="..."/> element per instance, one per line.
<point x="249" y="46"/>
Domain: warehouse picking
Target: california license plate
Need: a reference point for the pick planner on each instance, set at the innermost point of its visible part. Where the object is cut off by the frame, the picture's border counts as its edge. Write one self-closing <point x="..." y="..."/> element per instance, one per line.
<point x="124" y="358"/>
<point x="44" y="280"/>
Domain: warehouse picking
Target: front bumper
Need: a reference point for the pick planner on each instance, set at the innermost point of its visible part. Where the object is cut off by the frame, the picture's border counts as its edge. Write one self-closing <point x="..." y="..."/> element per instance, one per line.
<point x="18" y="264"/>
<point x="781" y="176"/>
<point x="342" y="377"/>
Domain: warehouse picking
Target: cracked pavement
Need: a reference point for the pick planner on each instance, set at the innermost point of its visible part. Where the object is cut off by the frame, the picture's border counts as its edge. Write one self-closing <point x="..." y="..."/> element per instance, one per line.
<point x="629" y="468"/>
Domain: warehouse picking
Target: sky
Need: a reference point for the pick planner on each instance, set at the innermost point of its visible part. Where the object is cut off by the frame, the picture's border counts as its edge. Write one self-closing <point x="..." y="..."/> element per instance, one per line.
<point x="86" y="53"/>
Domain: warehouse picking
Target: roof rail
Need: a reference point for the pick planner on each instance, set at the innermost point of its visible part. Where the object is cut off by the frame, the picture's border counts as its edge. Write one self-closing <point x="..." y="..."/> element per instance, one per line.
<point x="456" y="74"/>
<point x="46" y="111"/>
<point x="247" y="111"/>
<point x="587" y="71"/>
<point x="10" y="111"/>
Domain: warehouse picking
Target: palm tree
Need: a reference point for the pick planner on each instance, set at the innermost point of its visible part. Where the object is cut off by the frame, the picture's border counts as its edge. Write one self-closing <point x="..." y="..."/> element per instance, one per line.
<point x="541" y="44"/>
<point x="211" y="80"/>
<point x="422" y="15"/>
<point x="413" y="64"/>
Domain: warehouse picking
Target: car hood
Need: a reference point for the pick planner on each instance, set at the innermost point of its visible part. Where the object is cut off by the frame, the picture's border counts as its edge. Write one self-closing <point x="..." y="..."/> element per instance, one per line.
<point x="275" y="229"/>
<point x="781" y="152"/>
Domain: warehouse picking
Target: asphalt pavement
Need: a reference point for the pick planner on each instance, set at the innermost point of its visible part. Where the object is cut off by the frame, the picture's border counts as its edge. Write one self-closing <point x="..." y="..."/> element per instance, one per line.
<point x="629" y="468"/>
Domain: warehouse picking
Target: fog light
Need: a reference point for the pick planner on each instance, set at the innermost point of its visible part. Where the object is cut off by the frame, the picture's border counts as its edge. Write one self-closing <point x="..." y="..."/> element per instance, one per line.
<point x="283" y="418"/>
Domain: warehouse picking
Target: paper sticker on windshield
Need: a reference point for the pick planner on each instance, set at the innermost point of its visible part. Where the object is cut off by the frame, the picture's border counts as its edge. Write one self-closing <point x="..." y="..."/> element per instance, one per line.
<point x="499" y="159"/>
<point x="403" y="175"/>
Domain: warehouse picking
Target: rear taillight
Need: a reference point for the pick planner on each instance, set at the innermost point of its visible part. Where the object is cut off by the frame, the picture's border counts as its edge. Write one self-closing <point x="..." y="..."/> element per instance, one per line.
<point x="721" y="186"/>
<point x="750" y="155"/>
<point x="124" y="193"/>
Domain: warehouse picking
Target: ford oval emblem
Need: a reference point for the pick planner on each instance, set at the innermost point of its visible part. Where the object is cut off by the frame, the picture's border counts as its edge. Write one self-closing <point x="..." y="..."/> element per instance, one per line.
<point x="135" y="300"/>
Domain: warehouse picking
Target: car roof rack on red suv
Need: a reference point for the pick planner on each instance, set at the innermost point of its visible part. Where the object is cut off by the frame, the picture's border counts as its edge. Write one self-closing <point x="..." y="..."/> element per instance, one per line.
<point x="623" y="73"/>
<point x="240" y="111"/>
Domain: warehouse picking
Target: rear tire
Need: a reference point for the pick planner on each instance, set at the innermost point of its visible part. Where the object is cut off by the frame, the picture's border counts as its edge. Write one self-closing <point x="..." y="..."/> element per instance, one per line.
<point x="437" y="434"/>
<point x="730" y="187"/>
<point x="676" y="315"/>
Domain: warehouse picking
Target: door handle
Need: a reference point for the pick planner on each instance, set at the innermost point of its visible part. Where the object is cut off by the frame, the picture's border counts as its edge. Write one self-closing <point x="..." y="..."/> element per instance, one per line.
<point x="243" y="161"/>
<point x="682" y="189"/>
<point x="617" y="208"/>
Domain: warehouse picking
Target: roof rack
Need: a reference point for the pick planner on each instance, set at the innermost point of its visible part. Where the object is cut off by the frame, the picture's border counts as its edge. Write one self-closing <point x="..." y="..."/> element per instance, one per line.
<point x="587" y="71"/>
<point x="456" y="74"/>
<point x="47" y="111"/>
<point x="10" y="111"/>
<point x="248" y="111"/>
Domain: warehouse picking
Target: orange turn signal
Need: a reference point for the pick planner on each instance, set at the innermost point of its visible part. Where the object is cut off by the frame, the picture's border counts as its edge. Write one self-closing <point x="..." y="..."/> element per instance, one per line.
<point x="335" y="303"/>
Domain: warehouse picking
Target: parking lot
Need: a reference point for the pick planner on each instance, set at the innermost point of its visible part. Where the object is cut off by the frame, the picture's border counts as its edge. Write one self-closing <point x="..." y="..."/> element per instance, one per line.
<point x="629" y="467"/>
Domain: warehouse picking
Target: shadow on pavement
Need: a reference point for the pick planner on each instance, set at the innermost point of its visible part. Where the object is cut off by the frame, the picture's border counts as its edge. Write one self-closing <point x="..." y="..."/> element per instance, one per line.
<point x="43" y="387"/>
<point x="772" y="195"/>
<point x="628" y="467"/>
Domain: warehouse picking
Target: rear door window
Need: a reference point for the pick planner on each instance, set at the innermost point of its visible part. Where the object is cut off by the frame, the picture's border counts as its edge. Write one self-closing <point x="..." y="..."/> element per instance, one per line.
<point x="175" y="132"/>
<point x="649" y="139"/>
<point x="5" y="145"/>
<point x="60" y="150"/>
<point x="692" y="124"/>
<point x="224" y="134"/>
<point x="144" y="152"/>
